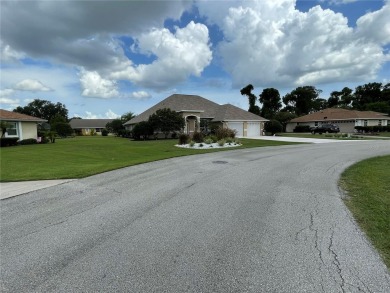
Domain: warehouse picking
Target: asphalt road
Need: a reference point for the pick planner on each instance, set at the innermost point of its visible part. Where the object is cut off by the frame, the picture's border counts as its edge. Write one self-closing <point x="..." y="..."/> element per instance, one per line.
<point x="254" y="220"/>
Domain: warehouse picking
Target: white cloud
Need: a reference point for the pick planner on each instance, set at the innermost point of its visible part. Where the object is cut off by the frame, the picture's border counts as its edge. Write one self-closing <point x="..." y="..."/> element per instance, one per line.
<point x="140" y="95"/>
<point x="111" y="115"/>
<point x="31" y="85"/>
<point x="6" y="93"/>
<point x="375" y="26"/>
<point x="9" y="103"/>
<point x="93" y="85"/>
<point x="270" y="43"/>
<point x="179" y="55"/>
<point x="83" y="31"/>
<point x="7" y="54"/>
<point x="89" y="115"/>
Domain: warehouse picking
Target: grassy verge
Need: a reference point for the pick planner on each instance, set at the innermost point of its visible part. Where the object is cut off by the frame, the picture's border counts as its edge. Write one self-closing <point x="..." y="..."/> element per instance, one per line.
<point x="368" y="187"/>
<point x="84" y="156"/>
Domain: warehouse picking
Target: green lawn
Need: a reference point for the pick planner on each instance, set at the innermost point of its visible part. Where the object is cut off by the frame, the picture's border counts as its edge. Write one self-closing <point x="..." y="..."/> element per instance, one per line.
<point x="368" y="187"/>
<point x="84" y="156"/>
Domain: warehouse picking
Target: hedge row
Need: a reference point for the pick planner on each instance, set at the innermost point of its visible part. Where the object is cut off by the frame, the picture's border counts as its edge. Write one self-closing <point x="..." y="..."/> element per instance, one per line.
<point x="8" y="141"/>
<point x="302" y="128"/>
<point x="373" y="128"/>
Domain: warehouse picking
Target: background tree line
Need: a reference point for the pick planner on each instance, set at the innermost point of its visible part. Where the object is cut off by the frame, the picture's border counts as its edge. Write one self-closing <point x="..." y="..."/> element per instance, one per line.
<point x="164" y="121"/>
<point x="306" y="99"/>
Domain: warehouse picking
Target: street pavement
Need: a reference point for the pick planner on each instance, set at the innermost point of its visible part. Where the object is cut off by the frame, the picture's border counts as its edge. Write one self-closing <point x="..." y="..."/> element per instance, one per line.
<point x="266" y="219"/>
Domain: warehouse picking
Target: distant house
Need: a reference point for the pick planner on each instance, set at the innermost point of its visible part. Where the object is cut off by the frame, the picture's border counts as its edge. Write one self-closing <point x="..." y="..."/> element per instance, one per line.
<point x="345" y="119"/>
<point x="20" y="125"/>
<point x="199" y="112"/>
<point x="86" y="126"/>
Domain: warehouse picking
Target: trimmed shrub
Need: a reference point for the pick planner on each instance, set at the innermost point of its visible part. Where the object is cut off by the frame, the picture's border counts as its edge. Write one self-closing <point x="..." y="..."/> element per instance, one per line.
<point x="183" y="138"/>
<point x="273" y="126"/>
<point x="104" y="132"/>
<point x="142" y="130"/>
<point x="197" y="137"/>
<point x="302" y="128"/>
<point x="28" y="141"/>
<point x="221" y="142"/>
<point x="208" y="141"/>
<point x="229" y="139"/>
<point x="222" y="133"/>
<point x="192" y="143"/>
<point x="8" y="141"/>
<point x="212" y="137"/>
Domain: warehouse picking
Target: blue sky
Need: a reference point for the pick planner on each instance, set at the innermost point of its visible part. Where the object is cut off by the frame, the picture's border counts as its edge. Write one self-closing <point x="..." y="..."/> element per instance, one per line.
<point x="105" y="58"/>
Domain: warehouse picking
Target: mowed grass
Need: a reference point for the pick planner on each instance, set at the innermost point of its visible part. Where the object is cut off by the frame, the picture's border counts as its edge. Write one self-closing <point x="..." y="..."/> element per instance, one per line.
<point x="84" y="156"/>
<point x="367" y="185"/>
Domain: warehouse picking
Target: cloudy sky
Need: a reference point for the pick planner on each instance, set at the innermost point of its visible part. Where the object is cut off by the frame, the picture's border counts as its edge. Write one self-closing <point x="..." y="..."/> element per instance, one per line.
<point x="105" y="58"/>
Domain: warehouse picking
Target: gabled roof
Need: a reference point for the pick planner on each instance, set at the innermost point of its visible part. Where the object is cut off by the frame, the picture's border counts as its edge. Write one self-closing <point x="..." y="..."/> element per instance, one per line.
<point x="205" y="108"/>
<point x="340" y="114"/>
<point x="229" y="112"/>
<point x="14" y="116"/>
<point x="89" y="123"/>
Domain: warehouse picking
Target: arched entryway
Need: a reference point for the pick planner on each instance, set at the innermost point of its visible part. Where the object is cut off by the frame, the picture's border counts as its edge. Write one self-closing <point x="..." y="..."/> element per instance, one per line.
<point x="192" y="124"/>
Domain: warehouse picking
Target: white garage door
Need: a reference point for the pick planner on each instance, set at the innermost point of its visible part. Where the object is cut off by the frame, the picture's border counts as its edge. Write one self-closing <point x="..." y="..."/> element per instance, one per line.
<point x="253" y="129"/>
<point x="237" y="126"/>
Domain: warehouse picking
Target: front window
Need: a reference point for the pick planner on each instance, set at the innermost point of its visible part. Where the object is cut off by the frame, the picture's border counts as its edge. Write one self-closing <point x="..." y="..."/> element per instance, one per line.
<point x="12" y="129"/>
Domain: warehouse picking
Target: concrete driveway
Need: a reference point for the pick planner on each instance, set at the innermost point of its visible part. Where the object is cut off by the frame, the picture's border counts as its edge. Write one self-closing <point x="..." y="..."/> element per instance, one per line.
<point x="254" y="220"/>
<point x="299" y="139"/>
<point x="10" y="189"/>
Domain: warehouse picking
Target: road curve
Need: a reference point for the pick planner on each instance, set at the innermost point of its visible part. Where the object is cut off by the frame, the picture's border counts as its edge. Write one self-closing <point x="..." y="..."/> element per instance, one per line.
<point x="254" y="220"/>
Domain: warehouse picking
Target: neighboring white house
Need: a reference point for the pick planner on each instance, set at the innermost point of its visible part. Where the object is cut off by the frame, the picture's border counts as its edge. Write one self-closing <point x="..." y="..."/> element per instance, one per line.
<point x="345" y="119"/>
<point x="20" y="125"/>
<point x="197" y="110"/>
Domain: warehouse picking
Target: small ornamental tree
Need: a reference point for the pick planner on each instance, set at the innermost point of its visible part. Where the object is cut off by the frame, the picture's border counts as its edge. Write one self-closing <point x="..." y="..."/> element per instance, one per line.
<point x="166" y="121"/>
<point x="142" y="130"/>
<point x="115" y="126"/>
<point x="273" y="126"/>
<point x="63" y="129"/>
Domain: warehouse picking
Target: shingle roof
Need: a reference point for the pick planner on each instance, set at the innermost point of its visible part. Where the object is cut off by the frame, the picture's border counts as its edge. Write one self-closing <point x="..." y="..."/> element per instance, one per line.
<point x="229" y="112"/>
<point x="89" y="123"/>
<point x="14" y="116"/>
<point x="340" y="114"/>
<point x="207" y="109"/>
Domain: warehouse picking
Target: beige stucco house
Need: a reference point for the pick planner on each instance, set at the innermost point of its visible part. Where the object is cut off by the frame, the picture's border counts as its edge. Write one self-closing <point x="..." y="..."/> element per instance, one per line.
<point x="87" y="126"/>
<point x="345" y="119"/>
<point x="20" y="125"/>
<point x="199" y="112"/>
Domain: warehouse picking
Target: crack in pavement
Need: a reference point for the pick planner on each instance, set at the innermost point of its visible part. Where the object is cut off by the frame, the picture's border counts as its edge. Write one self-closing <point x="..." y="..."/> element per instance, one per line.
<point x="336" y="262"/>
